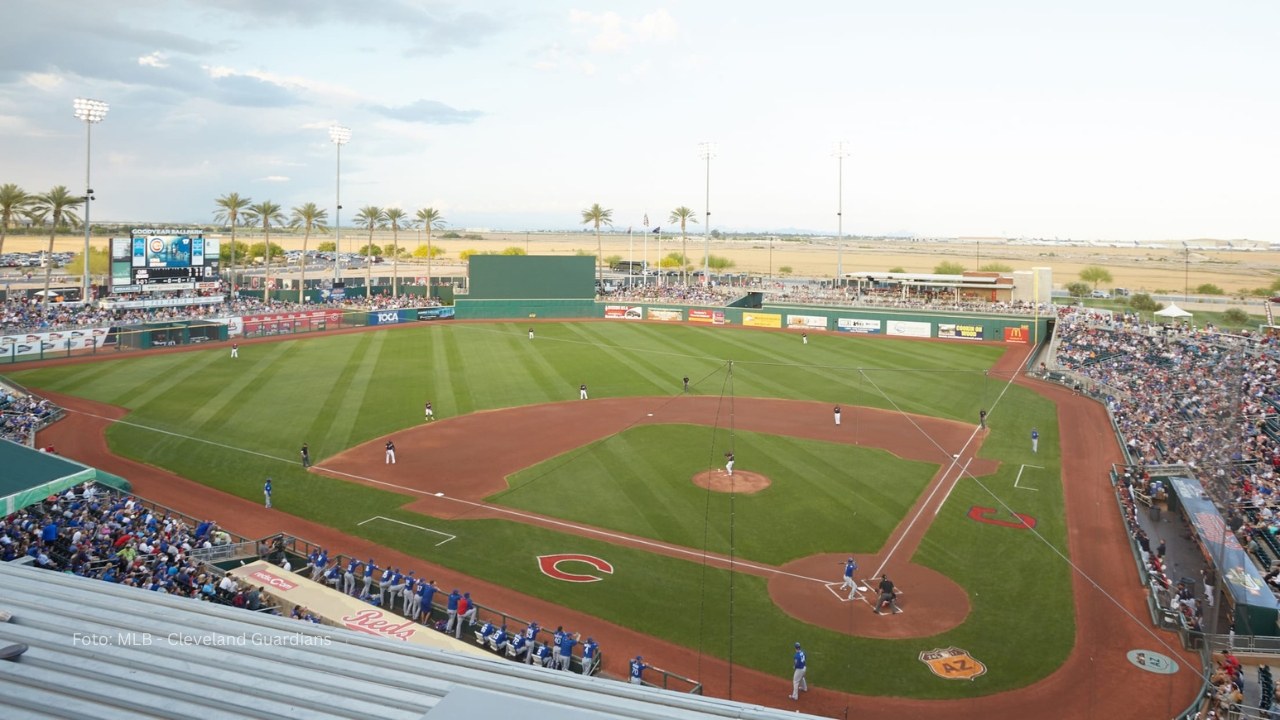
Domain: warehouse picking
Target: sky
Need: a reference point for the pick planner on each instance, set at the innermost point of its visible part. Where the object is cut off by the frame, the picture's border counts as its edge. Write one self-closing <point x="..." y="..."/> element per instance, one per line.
<point x="1111" y="120"/>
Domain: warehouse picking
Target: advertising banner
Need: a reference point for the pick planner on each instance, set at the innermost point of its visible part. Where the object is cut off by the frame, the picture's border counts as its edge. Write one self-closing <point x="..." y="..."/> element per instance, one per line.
<point x="906" y="328"/>
<point x="625" y="312"/>
<point x="666" y="314"/>
<point x="338" y="609"/>
<point x="288" y="322"/>
<point x="699" y="315"/>
<point x="765" y="320"/>
<point x="806" y="322"/>
<point x="960" y="331"/>
<point x="384" y="317"/>
<point x="1020" y="334"/>
<point x="51" y="342"/>
<point x="436" y="313"/>
<point x="858" y="325"/>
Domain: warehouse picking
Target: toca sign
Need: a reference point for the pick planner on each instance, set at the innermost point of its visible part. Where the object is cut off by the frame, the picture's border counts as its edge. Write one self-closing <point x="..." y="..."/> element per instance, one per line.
<point x="374" y="622"/>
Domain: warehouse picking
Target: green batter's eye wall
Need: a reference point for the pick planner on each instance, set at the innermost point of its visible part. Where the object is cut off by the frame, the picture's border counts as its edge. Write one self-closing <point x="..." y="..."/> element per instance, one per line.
<point x="531" y="277"/>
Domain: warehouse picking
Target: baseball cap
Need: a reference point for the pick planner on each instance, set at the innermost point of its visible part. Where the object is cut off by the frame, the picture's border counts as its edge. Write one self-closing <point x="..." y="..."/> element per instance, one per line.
<point x="797" y="644"/>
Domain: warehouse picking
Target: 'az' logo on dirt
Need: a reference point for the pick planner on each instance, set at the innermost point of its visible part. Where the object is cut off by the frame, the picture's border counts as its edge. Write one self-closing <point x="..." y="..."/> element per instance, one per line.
<point x="952" y="663"/>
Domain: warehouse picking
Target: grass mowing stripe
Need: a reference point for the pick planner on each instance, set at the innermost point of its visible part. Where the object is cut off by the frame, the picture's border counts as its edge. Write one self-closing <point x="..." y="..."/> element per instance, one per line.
<point x="543" y="374"/>
<point x="328" y="436"/>
<point x="441" y="392"/>
<point x="358" y="411"/>
<point x="160" y="383"/>
<point x="641" y="364"/>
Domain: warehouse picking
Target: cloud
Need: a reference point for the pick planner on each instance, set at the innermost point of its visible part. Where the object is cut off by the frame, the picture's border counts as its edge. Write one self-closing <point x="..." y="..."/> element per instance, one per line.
<point x="154" y="59"/>
<point x="430" y="112"/>
<point x="611" y="33"/>
<point x="273" y="179"/>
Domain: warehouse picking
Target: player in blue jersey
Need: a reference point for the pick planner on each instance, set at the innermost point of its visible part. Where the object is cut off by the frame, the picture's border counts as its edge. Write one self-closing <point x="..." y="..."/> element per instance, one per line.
<point x="850" y="566"/>
<point x="638" y="667"/>
<point x="798" y="683"/>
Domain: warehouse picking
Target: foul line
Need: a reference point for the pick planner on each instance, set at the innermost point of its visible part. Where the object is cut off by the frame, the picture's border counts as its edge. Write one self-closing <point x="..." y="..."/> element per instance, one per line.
<point x="959" y="476"/>
<point x="448" y="536"/>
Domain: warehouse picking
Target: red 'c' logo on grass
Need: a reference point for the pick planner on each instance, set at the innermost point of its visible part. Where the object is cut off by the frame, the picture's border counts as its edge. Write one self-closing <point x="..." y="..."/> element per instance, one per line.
<point x="550" y="565"/>
<point x="983" y="515"/>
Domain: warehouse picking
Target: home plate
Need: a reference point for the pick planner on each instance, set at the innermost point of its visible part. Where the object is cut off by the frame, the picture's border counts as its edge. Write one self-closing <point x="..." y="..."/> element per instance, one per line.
<point x="864" y="588"/>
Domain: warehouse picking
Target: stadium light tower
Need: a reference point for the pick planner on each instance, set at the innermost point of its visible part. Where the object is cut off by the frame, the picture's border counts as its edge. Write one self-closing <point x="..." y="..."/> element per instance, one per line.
<point x="706" y="151"/>
<point x="840" y="154"/>
<point x="340" y="136"/>
<point x="90" y="111"/>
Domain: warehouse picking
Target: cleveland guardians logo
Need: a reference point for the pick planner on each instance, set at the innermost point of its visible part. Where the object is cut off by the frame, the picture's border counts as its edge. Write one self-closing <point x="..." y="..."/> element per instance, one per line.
<point x="952" y="663"/>
<point x="550" y="565"/>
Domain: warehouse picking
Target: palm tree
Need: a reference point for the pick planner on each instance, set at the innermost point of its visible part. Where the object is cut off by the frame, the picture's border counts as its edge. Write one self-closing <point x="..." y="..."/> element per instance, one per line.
<point x="309" y="217"/>
<point x="598" y="216"/>
<point x="228" y="213"/>
<point x="14" y="203"/>
<point x="372" y="217"/>
<point x="683" y="215"/>
<point x="55" y="207"/>
<point x="396" y="219"/>
<point x="266" y="214"/>
<point x="431" y="219"/>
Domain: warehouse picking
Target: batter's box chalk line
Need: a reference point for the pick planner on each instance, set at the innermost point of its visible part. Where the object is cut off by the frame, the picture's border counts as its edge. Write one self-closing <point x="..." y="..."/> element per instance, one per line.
<point x="837" y="589"/>
<point x="447" y="536"/>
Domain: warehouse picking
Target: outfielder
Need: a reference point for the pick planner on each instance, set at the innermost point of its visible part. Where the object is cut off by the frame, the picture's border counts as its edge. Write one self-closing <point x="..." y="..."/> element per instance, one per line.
<point x="391" y="453"/>
<point x="235" y="350"/>
<point x="582" y="391"/>
<point x="1035" y="440"/>
<point x="431" y="414"/>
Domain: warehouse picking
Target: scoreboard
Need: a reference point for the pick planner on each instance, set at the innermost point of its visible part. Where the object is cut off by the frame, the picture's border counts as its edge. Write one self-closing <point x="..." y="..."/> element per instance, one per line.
<point x="162" y="260"/>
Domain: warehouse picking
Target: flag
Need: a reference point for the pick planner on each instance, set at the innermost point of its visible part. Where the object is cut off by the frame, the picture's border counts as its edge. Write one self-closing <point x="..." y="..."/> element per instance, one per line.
<point x="657" y="229"/>
<point x="646" y="219"/>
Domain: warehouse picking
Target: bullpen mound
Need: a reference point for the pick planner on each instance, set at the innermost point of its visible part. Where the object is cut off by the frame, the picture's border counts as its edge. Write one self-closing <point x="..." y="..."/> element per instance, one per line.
<point x="742" y="482"/>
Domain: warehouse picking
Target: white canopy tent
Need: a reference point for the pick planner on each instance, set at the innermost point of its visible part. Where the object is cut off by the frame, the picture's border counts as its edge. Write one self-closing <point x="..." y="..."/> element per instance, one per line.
<point x="1173" y="311"/>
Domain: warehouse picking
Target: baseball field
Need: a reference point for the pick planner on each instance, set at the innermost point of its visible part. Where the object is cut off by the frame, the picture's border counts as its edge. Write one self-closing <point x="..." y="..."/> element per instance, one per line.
<point x="969" y="521"/>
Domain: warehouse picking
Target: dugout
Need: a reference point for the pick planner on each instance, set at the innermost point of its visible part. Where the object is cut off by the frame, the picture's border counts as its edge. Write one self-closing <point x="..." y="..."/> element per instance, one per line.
<point x="168" y="334"/>
<point x="33" y="475"/>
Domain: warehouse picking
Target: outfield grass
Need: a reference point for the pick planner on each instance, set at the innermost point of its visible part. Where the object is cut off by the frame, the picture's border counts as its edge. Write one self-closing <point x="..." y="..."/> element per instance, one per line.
<point x="639" y="482"/>
<point x="228" y="423"/>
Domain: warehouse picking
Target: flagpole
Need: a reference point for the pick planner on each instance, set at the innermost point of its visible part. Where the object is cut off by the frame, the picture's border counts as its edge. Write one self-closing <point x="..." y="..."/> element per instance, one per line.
<point x="631" y="258"/>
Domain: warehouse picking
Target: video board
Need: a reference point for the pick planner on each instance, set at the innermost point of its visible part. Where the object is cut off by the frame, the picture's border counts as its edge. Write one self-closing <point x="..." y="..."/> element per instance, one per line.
<point x="161" y="260"/>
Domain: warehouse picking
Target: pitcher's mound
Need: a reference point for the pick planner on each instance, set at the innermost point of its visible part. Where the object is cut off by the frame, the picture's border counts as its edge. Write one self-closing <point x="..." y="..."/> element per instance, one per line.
<point x="743" y="482"/>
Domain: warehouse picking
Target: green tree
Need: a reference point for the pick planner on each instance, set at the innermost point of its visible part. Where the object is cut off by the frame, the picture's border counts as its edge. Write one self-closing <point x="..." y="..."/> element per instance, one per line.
<point x="326" y="246"/>
<point x="429" y="251"/>
<point x="715" y="262"/>
<point x="1095" y="274"/>
<point x="683" y="215"/>
<point x="265" y="215"/>
<point x="466" y="254"/>
<point x="1235" y="317"/>
<point x="430" y="219"/>
<point x="948" y="267"/>
<point x="612" y="261"/>
<point x="228" y="211"/>
<point x="371" y="217"/>
<point x="308" y="217"/>
<point x="99" y="263"/>
<point x="514" y="250"/>
<point x="1078" y="289"/>
<point x="897" y="269"/>
<point x="1209" y="289"/>
<point x="57" y="208"/>
<point x="997" y="267"/>
<point x="675" y="260"/>
<point x="1143" y="301"/>
<point x="397" y="219"/>
<point x="15" y="204"/>
<point x="597" y="216"/>
<point x="785" y="270"/>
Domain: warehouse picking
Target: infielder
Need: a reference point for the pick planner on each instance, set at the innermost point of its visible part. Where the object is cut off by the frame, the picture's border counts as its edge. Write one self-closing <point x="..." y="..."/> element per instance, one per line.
<point x="837" y="414"/>
<point x="235" y="350"/>
<point x="798" y="683"/>
<point x="582" y="391"/>
<point x="266" y="491"/>
<point x="431" y="414"/>
<point x="728" y="463"/>
<point x="391" y="453"/>
<point x="850" y="566"/>
<point x="1035" y="440"/>
<point x="530" y="333"/>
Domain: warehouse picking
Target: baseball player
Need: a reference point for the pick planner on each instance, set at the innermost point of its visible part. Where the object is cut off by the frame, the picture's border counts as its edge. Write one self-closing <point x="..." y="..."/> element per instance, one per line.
<point x="566" y="650"/>
<point x="426" y="597"/>
<point x="556" y="638"/>
<point x="407" y="591"/>
<point x="305" y="452"/>
<point x="520" y="648"/>
<point x="384" y="584"/>
<point x="805" y="338"/>
<point x="686" y="383"/>
<point x="798" y="683"/>
<point x="728" y="463"/>
<point x="982" y="419"/>
<point x="1035" y="440"/>
<point x="590" y="655"/>
<point x="391" y="453"/>
<point x="451" y="607"/>
<point x="266" y="491"/>
<point x="837" y="415"/>
<point x="431" y="414"/>
<point x="349" y="577"/>
<point x="369" y="569"/>
<point x="333" y="576"/>
<point x="582" y="391"/>
<point x="850" y="566"/>
<point x="637" y="670"/>
<point x="540" y="657"/>
<point x="235" y="350"/>
<point x="530" y="333"/>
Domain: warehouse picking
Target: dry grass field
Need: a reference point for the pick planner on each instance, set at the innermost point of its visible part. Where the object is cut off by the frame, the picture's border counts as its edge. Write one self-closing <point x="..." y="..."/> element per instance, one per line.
<point x="1139" y="269"/>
